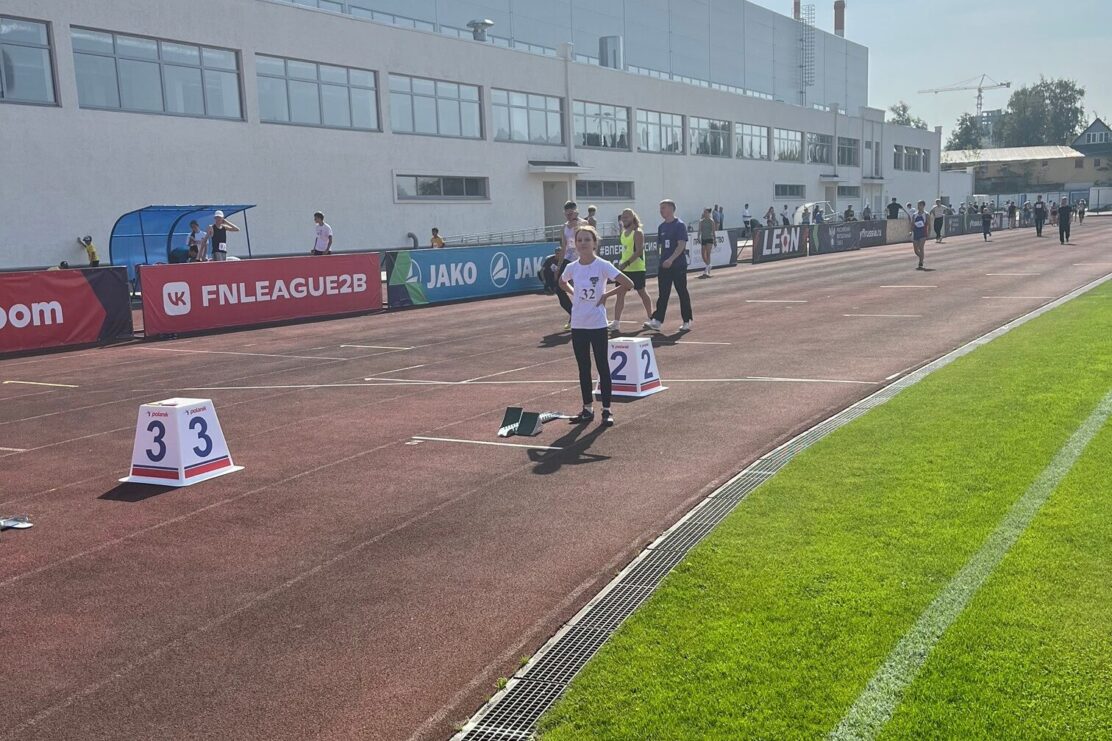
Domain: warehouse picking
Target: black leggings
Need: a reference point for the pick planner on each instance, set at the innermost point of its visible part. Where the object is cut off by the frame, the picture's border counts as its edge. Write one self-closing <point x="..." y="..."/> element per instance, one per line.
<point x="584" y="341"/>
<point x="938" y="222"/>
<point x="561" y="294"/>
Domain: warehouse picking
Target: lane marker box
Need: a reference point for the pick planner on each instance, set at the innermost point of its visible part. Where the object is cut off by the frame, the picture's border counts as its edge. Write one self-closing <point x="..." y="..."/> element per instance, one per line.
<point x="179" y="442"/>
<point x="633" y="370"/>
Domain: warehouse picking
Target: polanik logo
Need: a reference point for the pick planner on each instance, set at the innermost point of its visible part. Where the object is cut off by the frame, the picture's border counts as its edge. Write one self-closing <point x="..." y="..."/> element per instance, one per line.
<point x="176" y="299"/>
<point x="499" y="269"/>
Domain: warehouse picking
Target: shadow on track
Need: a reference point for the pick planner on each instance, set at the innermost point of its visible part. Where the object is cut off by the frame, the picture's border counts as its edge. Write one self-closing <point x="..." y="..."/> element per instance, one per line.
<point x="575" y="444"/>
<point x="135" y="492"/>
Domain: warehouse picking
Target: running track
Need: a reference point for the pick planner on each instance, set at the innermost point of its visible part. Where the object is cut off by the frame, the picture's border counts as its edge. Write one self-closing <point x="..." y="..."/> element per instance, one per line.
<point x="353" y="582"/>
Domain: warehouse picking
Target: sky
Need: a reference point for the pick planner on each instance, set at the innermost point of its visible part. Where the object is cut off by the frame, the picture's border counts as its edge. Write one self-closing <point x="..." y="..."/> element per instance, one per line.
<point x="921" y="44"/>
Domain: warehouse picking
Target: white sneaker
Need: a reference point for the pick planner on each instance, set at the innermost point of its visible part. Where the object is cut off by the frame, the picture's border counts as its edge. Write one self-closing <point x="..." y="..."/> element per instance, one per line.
<point x="652" y="324"/>
<point x="613" y="326"/>
<point x="685" y="327"/>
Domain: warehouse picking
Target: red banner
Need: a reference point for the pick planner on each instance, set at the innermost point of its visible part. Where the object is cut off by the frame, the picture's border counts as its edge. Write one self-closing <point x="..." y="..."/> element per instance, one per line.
<point x="52" y="308"/>
<point x="191" y="297"/>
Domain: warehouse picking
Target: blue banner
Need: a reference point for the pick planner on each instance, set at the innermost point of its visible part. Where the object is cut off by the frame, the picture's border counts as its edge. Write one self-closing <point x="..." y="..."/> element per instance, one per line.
<point x="416" y="277"/>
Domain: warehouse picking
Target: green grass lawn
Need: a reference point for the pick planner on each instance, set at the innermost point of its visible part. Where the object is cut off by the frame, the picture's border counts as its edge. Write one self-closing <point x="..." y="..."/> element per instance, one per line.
<point x="772" y="627"/>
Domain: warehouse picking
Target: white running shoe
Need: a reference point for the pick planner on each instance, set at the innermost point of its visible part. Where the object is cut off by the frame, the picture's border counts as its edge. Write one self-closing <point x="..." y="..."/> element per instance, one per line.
<point x="613" y="326"/>
<point x="652" y="324"/>
<point x="685" y="327"/>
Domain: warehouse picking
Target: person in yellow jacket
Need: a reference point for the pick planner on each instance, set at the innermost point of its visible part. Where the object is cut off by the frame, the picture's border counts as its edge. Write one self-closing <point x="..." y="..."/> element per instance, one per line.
<point x="86" y="243"/>
<point x="632" y="263"/>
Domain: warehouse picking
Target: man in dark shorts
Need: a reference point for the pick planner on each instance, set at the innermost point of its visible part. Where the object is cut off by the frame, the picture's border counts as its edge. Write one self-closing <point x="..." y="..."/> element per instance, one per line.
<point x="706" y="239"/>
<point x="920" y="229"/>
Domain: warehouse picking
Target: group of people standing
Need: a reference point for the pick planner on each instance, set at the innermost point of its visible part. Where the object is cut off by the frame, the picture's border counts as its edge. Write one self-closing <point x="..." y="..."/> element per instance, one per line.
<point x="582" y="281"/>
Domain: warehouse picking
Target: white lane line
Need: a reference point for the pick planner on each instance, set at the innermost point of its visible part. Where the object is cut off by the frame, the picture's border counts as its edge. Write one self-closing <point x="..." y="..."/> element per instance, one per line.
<point x="909" y="286"/>
<point x="378" y="347"/>
<point x="1091" y="264"/>
<point x="888" y="316"/>
<point x="251" y="354"/>
<point x="697" y="342"/>
<point x="1019" y="297"/>
<point x="773" y="301"/>
<point x="769" y="379"/>
<point x="482" y="442"/>
<point x="399" y="370"/>
<point x="15" y="450"/>
<point x="37" y="383"/>
<point x="992" y="275"/>
<point x="884" y="692"/>
<point x="515" y="370"/>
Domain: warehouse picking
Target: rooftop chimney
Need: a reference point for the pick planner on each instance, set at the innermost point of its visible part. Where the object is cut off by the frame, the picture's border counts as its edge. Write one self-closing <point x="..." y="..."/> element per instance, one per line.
<point x="840" y="17"/>
<point x="797" y="10"/>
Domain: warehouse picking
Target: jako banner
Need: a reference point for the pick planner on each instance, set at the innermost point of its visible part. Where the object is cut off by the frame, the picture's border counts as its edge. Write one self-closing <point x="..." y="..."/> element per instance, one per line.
<point x="53" y="308"/>
<point x="416" y="277"/>
<point x="190" y="297"/>
<point x="780" y="243"/>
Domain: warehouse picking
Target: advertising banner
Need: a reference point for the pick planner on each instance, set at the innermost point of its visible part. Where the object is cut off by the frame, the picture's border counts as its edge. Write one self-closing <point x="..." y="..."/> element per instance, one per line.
<point x="721" y="254"/>
<point x="611" y="250"/>
<point x="417" y="277"/>
<point x="54" y="308"/>
<point x="780" y="243"/>
<point x="193" y="297"/>
<point x="849" y="235"/>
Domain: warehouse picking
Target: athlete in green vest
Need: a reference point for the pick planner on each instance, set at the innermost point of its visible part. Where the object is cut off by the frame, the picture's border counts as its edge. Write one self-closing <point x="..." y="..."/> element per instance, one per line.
<point x="632" y="264"/>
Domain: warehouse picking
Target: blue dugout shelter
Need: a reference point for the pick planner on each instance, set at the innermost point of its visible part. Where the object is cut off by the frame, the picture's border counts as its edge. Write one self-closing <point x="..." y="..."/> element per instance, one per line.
<point x="147" y="236"/>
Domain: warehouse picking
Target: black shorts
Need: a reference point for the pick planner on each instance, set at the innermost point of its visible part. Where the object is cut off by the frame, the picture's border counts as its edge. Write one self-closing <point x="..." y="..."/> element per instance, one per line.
<point x="318" y="252"/>
<point x="707" y="242"/>
<point x="638" y="278"/>
<point x="94" y="263"/>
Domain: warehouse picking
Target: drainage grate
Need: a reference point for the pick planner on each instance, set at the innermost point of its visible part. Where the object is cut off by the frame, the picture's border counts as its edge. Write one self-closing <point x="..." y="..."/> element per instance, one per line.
<point x="514" y="715"/>
<point x="652" y="569"/>
<point x="567" y="656"/>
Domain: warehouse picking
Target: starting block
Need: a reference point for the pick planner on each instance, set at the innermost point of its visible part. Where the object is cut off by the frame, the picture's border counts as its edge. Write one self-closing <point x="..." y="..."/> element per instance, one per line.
<point x="633" y="370"/>
<point x="178" y="442"/>
<point x="517" y="421"/>
<point x="15" y="522"/>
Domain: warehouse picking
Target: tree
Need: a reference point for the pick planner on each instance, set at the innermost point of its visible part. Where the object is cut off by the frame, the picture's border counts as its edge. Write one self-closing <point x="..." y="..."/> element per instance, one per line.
<point x="1048" y="112"/>
<point x="967" y="134"/>
<point x="901" y="115"/>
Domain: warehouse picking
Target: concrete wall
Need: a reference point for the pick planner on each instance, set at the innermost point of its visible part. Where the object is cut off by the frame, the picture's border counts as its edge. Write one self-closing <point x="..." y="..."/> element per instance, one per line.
<point x="72" y="171"/>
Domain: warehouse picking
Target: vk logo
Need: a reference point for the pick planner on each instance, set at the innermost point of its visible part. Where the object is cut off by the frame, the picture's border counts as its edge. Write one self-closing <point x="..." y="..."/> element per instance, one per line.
<point x="176" y="299"/>
<point x="500" y="269"/>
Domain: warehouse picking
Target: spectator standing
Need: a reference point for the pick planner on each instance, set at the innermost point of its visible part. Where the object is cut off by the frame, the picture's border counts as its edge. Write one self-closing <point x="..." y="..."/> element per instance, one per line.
<point x="322" y="244"/>
<point x="671" y="240"/>
<point x="770" y="217"/>
<point x="866" y="213"/>
<point x="894" y="209"/>
<point x="716" y="214"/>
<point x="437" y="242"/>
<point x="1065" y="214"/>
<point x="572" y="222"/>
<point x="217" y="236"/>
<point x="747" y="220"/>
<point x="1082" y="206"/>
<point x="1011" y="214"/>
<point x="86" y="243"/>
<point x="632" y="263"/>
<point x="1054" y="214"/>
<point x="1040" y="213"/>
<point x="706" y="239"/>
<point x="849" y="215"/>
<point x="197" y="239"/>
<point x="938" y="218"/>
<point x="806" y="218"/>
<point x="819" y="216"/>
<point x="785" y="219"/>
<point x="592" y="220"/>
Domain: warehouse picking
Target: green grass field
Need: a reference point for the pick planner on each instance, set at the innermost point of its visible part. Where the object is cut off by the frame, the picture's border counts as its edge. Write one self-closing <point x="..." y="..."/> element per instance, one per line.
<point x="774" y="625"/>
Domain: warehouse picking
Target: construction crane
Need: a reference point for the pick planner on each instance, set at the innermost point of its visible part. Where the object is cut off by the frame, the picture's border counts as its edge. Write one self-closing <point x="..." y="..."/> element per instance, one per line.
<point x="980" y="87"/>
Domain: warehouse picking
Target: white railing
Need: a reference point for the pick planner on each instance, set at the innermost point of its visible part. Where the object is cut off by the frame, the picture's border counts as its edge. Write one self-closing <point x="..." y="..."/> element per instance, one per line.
<point x="550" y="233"/>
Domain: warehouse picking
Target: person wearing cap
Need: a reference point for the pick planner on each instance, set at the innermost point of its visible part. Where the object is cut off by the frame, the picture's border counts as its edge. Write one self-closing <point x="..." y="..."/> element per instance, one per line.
<point x="86" y="243"/>
<point x="322" y="244"/>
<point x="217" y="236"/>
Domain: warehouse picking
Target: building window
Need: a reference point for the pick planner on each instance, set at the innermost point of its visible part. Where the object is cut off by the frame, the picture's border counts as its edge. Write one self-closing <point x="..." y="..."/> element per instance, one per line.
<point x="26" y="71"/>
<point x="787" y="145"/>
<point x="790" y="191"/>
<point x="752" y="141"/>
<point x="133" y="73"/>
<point x="524" y="117"/>
<point x="363" y="10"/>
<point x="1098" y="137"/>
<point x="603" y="189"/>
<point x="291" y="91"/>
<point x="820" y="149"/>
<point x="659" y="132"/>
<point x="898" y="157"/>
<point x="1096" y="163"/>
<point x="849" y="152"/>
<point x="709" y="137"/>
<point x="876" y="159"/>
<point x="849" y="191"/>
<point x="602" y="126"/>
<point x="440" y="188"/>
<point x="434" y="107"/>
<point x="912" y="156"/>
<point x="926" y="160"/>
<point x="1078" y="164"/>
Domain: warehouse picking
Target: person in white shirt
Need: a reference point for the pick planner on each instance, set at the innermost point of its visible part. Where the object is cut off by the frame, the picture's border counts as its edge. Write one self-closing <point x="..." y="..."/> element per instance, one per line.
<point x="938" y="214"/>
<point x="584" y="281"/>
<point x="322" y="245"/>
<point x="747" y="219"/>
<point x="567" y="240"/>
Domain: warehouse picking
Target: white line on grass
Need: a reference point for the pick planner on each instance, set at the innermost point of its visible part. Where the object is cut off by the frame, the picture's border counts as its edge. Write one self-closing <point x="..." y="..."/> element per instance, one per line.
<point x="482" y="442"/>
<point x="884" y="692"/>
<point x="37" y="383"/>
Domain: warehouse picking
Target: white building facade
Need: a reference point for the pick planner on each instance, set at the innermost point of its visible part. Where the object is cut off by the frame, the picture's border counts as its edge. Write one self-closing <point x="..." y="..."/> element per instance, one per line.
<point x="391" y="130"/>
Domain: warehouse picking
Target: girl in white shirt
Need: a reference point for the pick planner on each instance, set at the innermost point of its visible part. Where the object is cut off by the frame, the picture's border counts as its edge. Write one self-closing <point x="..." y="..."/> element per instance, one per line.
<point x="585" y="281"/>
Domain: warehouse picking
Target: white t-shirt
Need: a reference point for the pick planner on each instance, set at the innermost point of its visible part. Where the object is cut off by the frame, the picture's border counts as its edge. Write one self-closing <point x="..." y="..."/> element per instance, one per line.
<point x="938" y="212"/>
<point x="589" y="282"/>
<point x="324" y="231"/>
<point x="569" y="240"/>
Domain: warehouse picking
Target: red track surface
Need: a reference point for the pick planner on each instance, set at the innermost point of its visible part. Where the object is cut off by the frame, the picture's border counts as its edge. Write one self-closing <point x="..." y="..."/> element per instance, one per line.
<point x="350" y="583"/>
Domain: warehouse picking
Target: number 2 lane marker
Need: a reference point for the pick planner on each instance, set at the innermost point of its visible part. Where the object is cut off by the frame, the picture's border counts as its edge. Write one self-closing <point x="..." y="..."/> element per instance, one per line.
<point x="884" y="692"/>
